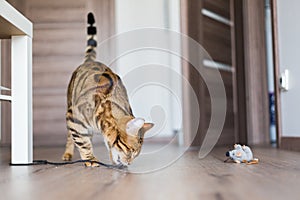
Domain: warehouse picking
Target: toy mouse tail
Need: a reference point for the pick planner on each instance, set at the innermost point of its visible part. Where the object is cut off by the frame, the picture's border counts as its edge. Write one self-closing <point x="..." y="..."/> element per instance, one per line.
<point x="254" y="161"/>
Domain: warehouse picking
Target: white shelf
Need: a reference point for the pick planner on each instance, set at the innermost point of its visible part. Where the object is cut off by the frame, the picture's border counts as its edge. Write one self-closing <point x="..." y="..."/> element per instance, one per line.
<point x="13" y="22"/>
<point x="15" y="26"/>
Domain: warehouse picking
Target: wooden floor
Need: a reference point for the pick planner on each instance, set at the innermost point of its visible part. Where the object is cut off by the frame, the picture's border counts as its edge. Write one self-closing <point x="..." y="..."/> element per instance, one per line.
<point x="277" y="176"/>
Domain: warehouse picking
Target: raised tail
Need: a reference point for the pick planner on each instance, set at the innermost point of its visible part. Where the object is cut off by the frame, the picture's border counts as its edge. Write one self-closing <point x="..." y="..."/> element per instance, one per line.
<point x="90" y="52"/>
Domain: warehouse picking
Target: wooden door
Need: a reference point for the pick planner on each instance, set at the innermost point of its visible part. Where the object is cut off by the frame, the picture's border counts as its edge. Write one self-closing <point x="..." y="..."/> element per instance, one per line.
<point x="211" y="24"/>
<point x="232" y="32"/>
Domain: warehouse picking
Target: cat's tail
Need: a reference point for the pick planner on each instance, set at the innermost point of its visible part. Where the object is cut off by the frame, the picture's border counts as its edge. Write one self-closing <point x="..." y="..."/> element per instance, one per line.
<point x="90" y="52"/>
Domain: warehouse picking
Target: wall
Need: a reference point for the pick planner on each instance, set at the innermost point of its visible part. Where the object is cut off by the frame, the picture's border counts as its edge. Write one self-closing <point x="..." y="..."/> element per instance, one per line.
<point x="152" y="102"/>
<point x="289" y="43"/>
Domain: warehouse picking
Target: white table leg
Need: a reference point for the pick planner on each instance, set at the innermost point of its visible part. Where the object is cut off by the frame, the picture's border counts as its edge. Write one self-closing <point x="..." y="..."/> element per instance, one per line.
<point x="21" y="91"/>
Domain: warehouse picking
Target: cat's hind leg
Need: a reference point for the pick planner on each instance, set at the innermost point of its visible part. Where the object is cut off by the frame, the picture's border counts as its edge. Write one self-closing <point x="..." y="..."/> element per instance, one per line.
<point x="69" y="151"/>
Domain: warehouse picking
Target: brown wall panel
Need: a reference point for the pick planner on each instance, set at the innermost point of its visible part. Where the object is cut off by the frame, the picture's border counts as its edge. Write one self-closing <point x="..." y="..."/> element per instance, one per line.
<point x="50" y="100"/>
<point x="61" y="3"/>
<point x="49" y="114"/>
<point x="62" y="11"/>
<point x="51" y="80"/>
<point x="50" y="64"/>
<point x="59" y="42"/>
<point x="58" y="49"/>
<point x="58" y="14"/>
<point x="5" y="81"/>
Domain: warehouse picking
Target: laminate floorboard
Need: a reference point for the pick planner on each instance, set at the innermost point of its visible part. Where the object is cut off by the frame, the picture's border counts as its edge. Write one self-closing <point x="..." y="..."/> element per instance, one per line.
<point x="277" y="176"/>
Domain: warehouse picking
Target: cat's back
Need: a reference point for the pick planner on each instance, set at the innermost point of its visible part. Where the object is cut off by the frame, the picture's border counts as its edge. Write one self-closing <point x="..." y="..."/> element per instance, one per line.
<point x="93" y="79"/>
<point x="90" y="78"/>
<point x="86" y="74"/>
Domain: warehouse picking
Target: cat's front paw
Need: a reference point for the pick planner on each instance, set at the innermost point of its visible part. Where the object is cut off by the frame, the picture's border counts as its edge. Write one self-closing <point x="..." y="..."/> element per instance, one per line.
<point x="92" y="163"/>
<point x="67" y="157"/>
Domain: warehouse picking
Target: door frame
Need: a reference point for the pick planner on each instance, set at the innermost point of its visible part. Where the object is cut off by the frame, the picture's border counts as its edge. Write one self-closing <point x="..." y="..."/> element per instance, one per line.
<point x="276" y="72"/>
<point x="289" y="143"/>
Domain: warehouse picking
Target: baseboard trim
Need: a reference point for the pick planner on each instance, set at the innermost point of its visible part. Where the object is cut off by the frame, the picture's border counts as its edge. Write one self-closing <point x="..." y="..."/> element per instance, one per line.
<point x="290" y="143"/>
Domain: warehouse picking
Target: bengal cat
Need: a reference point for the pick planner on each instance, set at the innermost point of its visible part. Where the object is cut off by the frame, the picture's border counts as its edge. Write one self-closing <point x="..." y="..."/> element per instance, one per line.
<point x="97" y="102"/>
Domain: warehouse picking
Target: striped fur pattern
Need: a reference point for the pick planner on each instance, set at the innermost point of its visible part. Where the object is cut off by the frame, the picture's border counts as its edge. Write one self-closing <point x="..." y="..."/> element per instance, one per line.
<point x="98" y="102"/>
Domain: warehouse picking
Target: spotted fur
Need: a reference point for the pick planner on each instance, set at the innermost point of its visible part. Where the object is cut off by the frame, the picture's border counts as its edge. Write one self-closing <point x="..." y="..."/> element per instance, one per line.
<point x="97" y="102"/>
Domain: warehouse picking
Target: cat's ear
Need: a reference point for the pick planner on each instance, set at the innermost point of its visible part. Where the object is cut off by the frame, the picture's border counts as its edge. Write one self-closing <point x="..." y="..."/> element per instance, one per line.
<point x="147" y="126"/>
<point x="134" y="125"/>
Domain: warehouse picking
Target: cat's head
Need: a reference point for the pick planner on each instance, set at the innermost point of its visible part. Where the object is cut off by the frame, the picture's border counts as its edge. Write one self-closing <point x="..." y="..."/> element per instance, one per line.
<point x="128" y="145"/>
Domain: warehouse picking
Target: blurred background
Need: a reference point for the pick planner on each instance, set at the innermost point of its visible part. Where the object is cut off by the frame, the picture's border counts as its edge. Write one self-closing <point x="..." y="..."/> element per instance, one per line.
<point x="234" y="33"/>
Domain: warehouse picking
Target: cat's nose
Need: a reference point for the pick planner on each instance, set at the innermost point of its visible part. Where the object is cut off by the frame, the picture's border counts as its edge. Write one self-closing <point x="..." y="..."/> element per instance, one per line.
<point x="227" y="154"/>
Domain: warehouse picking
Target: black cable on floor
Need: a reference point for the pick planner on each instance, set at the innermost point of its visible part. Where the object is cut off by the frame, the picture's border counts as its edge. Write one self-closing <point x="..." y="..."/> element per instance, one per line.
<point x="46" y="162"/>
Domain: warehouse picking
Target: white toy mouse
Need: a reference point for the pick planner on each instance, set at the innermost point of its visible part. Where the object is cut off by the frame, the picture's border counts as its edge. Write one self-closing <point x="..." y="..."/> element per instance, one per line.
<point x="241" y="154"/>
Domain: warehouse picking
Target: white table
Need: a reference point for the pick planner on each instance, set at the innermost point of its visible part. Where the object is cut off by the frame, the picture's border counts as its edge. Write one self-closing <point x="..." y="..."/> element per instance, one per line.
<point x="15" y="26"/>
